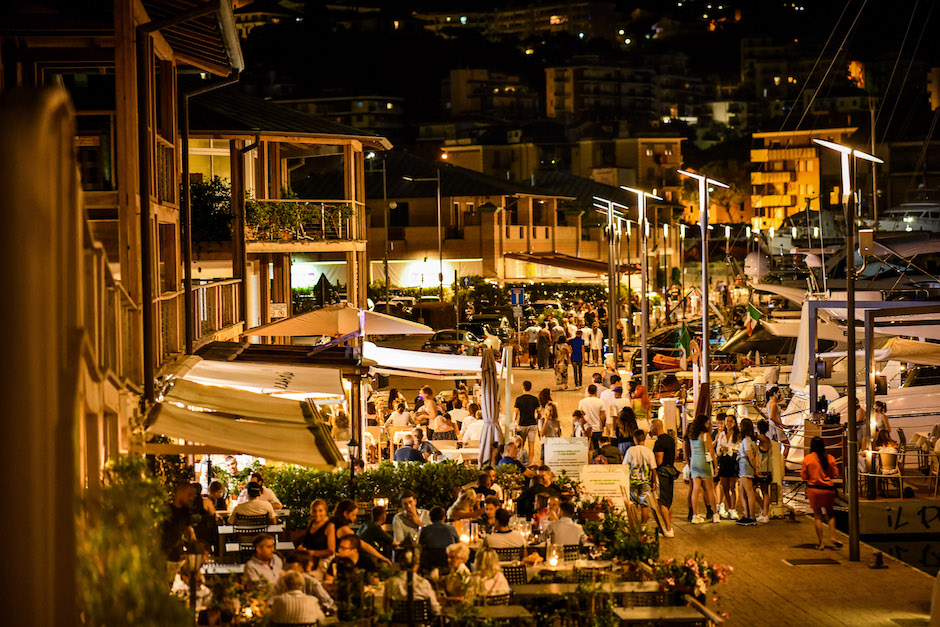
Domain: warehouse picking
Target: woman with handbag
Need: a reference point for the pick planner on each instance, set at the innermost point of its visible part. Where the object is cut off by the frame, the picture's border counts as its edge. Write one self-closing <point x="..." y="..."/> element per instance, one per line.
<point x="748" y="464"/>
<point x="726" y="445"/>
<point x="700" y="451"/>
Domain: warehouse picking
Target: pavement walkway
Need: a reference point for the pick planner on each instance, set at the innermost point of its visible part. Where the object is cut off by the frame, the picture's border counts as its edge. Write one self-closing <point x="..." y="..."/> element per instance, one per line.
<point x="765" y="588"/>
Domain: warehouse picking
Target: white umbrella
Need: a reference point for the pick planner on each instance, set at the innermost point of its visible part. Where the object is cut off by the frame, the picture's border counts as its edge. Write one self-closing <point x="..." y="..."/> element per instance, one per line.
<point x="490" y="434"/>
<point x="340" y="320"/>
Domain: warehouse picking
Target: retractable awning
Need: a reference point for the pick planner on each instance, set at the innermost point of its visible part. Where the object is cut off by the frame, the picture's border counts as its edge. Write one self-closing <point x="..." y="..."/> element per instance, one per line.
<point x="254" y="424"/>
<point x="568" y="262"/>
<point x="339" y="320"/>
<point x="396" y="361"/>
<point x="322" y="384"/>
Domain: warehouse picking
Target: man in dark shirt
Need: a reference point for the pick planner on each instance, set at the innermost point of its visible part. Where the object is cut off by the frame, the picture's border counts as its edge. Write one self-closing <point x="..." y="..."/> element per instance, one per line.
<point x="348" y="547"/>
<point x="610" y="452"/>
<point x="484" y="485"/>
<point x="577" y="357"/>
<point x="423" y="446"/>
<point x="665" y="451"/>
<point x="177" y="528"/>
<point x="509" y="458"/>
<point x="526" y="408"/>
<point x="541" y="484"/>
<point x="434" y="540"/>
<point x="408" y="453"/>
<point x="373" y="533"/>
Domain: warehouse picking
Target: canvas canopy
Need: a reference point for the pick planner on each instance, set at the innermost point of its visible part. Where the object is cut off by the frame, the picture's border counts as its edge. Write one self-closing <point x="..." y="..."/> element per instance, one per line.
<point x="900" y="349"/>
<point x="254" y="424"/>
<point x="293" y="381"/>
<point x="396" y="361"/>
<point x="339" y="320"/>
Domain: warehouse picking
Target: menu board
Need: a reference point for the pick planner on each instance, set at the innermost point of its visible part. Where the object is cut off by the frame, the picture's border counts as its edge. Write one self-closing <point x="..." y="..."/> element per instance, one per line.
<point x="605" y="481"/>
<point x="568" y="454"/>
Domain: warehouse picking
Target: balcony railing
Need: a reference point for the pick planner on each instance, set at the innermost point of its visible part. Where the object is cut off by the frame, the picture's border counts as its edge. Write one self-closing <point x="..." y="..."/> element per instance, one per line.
<point x="168" y="309"/>
<point x="293" y="219"/>
<point x="763" y="178"/>
<point x="217" y="306"/>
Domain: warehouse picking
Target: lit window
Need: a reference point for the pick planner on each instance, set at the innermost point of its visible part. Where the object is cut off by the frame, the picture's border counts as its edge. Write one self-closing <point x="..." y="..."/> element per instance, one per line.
<point x="649" y="152"/>
<point x="776" y="80"/>
<point x="396" y="24"/>
<point x="389" y="105"/>
<point x="463" y="19"/>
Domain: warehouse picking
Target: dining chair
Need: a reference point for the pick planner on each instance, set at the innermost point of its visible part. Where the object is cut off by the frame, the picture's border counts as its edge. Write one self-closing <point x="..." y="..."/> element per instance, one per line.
<point x="515" y="574"/>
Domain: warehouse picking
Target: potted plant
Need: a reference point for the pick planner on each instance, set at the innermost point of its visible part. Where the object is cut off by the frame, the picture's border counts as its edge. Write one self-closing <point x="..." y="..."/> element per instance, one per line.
<point x="623" y="537"/>
<point x="593" y="509"/>
<point x="691" y="575"/>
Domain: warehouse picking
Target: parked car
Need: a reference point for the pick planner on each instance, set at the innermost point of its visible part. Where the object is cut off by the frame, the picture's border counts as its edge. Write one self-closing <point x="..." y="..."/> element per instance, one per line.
<point x="541" y="305"/>
<point x="482" y="331"/>
<point x="395" y="308"/>
<point x="498" y="324"/>
<point x="454" y="342"/>
<point x="430" y="299"/>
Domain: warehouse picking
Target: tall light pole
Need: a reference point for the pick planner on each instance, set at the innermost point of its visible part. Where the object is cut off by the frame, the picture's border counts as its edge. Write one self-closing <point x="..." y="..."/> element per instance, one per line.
<point x="613" y="287"/>
<point x="440" y="237"/>
<point x="643" y="228"/>
<point x="849" y="213"/>
<point x="703" y="183"/>
<point x="385" y="213"/>
<point x="682" y="267"/>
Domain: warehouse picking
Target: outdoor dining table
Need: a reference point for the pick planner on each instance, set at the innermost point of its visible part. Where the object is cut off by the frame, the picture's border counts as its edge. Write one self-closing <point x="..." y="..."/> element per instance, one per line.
<point x="567" y="567"/>
<point x="494" y="612"/>
<point x="658" y="615"/>
<point x="561" y="589"/>
<point x="212" y="568"/>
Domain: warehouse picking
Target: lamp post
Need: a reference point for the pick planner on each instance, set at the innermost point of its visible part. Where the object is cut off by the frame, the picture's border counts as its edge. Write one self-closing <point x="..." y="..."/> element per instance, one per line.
<point x="385" y="210"/>
<point x="643" y="228"/>
<point x="849" y="213"/>
<point x="703" y="183"/>
<point x="440" y="238"/>
<point x="682" y="266"/>
<point x="613" y="293"/>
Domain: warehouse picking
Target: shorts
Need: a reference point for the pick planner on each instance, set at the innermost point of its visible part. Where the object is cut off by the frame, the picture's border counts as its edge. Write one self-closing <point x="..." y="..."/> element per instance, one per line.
<point x="528" y="433"/>
<point x="639" y="493"/>
<point x="533" y="349"/>
<point x="666" y="485"/>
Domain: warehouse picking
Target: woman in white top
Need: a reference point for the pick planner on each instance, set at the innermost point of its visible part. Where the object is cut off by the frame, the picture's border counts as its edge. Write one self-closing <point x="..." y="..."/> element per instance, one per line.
<point x="487" y="579"/>
<point x="401" y="417"/>
<point x="881" y="418"/>
<point x="597" y="343"/>
<point x="726" y="446"/>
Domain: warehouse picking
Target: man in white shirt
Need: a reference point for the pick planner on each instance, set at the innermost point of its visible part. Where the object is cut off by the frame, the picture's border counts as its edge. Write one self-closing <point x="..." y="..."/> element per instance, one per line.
<point x="295" y="607"/>
<point x="504" y="537"/>
<point x="565" y="530"/>
<point x="532" y="334"/>
<point x="254" y="506"/>
<point x="471" y="431"/>
<point x="595" y="414"/>
<point x="642" y="464"/>
<point x="458" y="414"/>
<point x="408" y="521"/>
<point x="267" y="494"/>
<point x="616" y="404"/>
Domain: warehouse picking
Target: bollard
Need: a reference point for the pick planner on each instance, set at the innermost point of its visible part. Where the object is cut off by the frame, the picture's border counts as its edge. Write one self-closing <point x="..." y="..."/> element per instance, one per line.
<point x="879" y="562"/>
<point x="791" y="516"/>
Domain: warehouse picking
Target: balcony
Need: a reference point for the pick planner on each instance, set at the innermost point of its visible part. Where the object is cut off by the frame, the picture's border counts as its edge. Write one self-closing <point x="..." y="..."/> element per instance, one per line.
<point x="762" y="155"/>
<point x="780" y="200"/>
<point x="217" y="307"/>
<point x="764" y="178"/>
<point x="293" y="224"/>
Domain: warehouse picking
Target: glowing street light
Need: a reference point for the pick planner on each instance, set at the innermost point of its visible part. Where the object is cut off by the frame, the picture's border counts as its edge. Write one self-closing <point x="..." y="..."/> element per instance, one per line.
<point x="703" y="186"/>
<point x="845" y="152"/>
<point x="643" y="223"/>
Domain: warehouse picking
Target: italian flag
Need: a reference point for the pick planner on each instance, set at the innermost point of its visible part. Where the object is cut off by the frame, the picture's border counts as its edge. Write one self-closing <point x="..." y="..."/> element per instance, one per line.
<point x="685" y="342"/>
<point x="753" y="317"/>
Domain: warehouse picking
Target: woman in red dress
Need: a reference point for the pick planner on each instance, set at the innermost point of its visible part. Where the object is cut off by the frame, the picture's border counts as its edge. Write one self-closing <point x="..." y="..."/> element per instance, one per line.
<point x="819" y="469"/>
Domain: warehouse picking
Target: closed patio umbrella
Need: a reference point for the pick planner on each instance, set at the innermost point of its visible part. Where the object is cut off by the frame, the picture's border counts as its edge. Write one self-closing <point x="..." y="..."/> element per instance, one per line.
<point x="340" y="320"/>
<point x="490" y="399"/>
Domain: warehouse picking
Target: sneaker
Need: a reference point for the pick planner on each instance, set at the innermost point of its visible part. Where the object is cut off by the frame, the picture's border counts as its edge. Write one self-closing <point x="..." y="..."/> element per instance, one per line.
<point x="734" y="514"/>
<point x="722" y="511"/>
<point x="716" y="518"/>
<point x="697" y="520"/>
<point x="763" y="519"/>
<point x="669" y="533"/>
<point x="744" y="522"/>
<point x="724" y="514"/>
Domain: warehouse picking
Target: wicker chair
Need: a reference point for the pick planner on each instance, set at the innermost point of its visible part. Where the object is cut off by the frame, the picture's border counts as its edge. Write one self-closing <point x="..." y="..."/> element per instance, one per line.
<point x="512" y="554"/>
<point x="421" y="607"/>
<point x="515" y="574"/>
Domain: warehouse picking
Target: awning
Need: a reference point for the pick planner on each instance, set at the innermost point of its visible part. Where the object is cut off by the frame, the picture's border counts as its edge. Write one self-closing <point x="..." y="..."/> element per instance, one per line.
<point x="899" y="349"/>
<point x="339" y="320"/>
<point x="254" y="424"/>
<point x="396" y="361"/>
<point x="568" y="262"/>
<point x="323" y="385"/>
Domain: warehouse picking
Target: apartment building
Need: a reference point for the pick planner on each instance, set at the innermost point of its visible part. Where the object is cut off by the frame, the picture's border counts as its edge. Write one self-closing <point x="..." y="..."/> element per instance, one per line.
<point x="481" y="91"/>
<point x="645" y="162"/>
<point x="788" y="170"/>
<point x="586" y="20"/>
<point x="600" y="92"/>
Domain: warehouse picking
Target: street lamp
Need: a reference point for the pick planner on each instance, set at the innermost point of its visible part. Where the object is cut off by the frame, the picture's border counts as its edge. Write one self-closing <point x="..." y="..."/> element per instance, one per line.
<point x="644" y="228"/>
<point x="440" y="238"/>
<point x="703" y="183"/>
<point x="849" y="213"/>
<point x="385" y="210"/>
<point x="613" y="284"/>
